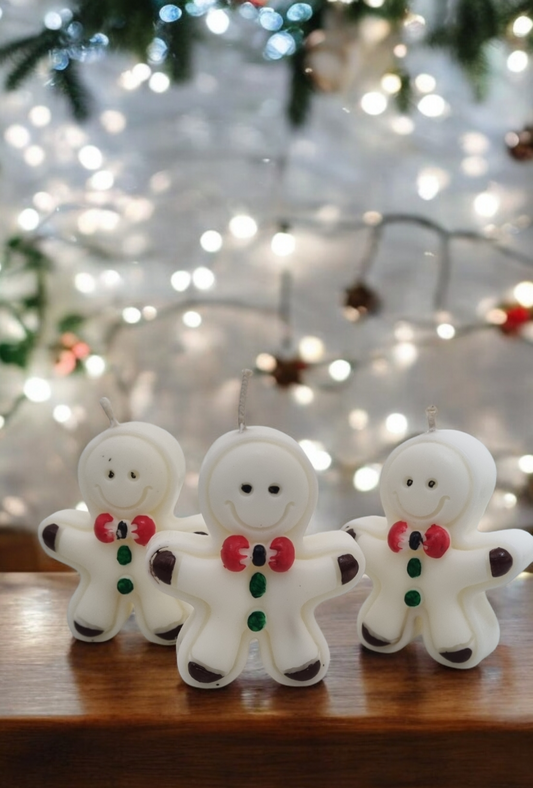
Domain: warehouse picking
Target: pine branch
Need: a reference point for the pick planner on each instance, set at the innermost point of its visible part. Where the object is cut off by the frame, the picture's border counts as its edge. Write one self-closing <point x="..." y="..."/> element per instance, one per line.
<point x="301" y="90"/>
<point x="68" y="82"/>
<point x="30" y="57"/>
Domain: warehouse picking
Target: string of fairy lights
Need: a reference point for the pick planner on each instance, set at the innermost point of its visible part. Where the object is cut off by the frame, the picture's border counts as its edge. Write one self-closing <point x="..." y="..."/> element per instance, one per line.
<point x="192" y="292"/>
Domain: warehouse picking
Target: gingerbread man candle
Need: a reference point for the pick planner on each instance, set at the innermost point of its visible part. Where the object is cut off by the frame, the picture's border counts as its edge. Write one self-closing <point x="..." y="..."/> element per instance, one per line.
<point x="130" y="477"/>
<point x="429" y="565"/>
<point x="258" y="577"/>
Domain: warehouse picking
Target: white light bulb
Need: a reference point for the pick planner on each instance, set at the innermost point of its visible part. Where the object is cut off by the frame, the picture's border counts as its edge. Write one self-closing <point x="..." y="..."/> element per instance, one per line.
<point x="340" y="369"/>
<point x="180" y="280"/>
<point x="358" y="419"/>
<point x="62" y="413"/>
<point x="203" y="278"/>
<point x="366" y="478"/>
<point x="432" y="106"/>
<point x="391" y="83"/>
<point x="283" y="244"/>
<point x="243" y="226"/>
<point x="486" y="204"/>
<point x="28" y="219"/>
<point x="396" y="423"/>
<point x="131" y="314"/>
<point x="85" y="283"/>
<point x="17" y="136"/>
<point x="192" y="319"/>
<point x="509" y="500"/>
<point x="40" y="116"/>
<point x="523" y="292"/>
<point x="95" y="366"/>
<point x="374" y="103"/>
<point x="211" y="241"/>
<point x="265" y="362"/>
<point x="311" y="349"/>
<point x="217" y="21"/>
<point x="303" y="395"/>
<point x="425" y="83"/>
<point x="517" y="61"/>
<point x="522" y="26"/>
<point x="90" y="157"/>
<point x="525" y="463"/>
<point x="445" y="331"/>
<point x="37" y="390"/>
<point x="159" y="82"/>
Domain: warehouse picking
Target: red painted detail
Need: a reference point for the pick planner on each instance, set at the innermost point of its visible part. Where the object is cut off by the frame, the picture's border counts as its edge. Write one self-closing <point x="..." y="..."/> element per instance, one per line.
<point x="144" y="530"/>
<point x="436" y="541"/>
<point x="231" y="553"/>
<point x="285" y="554"/>
<point x="102" y="533"/>
<point x="395" y="538"/>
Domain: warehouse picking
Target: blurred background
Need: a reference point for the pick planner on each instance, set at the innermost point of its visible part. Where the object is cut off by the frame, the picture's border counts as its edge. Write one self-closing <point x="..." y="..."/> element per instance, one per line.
<point x="336" y="195"/>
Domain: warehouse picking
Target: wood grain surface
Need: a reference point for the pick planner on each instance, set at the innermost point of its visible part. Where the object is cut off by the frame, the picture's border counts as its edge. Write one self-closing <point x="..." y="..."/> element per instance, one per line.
<point x="117" y="714"/>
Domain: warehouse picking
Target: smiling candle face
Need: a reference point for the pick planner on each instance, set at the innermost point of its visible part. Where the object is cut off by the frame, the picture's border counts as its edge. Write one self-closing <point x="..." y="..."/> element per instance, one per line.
<point x="130" y="477"/>
<point x="124" y="473"/>
<point x="258" y="490"/>
<point x="259" y="576"/>
<point x="426" y="483"/>
<point x="429" y="564"/>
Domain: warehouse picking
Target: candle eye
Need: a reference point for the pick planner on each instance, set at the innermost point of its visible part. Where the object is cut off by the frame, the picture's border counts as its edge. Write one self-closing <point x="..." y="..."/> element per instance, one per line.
<point x="274" y="489"/>
<point x="110" y="474"/>
<point x="409" y="482"/>
<point x="432" y="483"/>
<point x="246" y="488"/>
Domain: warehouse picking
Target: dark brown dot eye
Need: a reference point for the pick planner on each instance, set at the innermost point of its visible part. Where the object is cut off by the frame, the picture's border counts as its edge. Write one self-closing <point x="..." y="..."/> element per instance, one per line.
<point x="432" y="483"/>
<point x="110" y="474"/>
<point x="409" y="482"/>
<point x="246" y="488"/>
<point x="133" y="475"/>
<point x="274" y="489"/>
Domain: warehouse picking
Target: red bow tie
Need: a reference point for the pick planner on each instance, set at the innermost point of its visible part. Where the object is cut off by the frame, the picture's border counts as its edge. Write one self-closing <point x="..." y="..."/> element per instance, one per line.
<point x="107" y="528"/>
<point x="435" y="541"/>
<point x="236" y="554"/>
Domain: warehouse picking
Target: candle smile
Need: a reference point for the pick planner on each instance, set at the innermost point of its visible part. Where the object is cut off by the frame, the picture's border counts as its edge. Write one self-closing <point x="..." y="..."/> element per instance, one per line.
<point x="125" y="508"/>
<point x="233" y="511"/>
<point x="435" y="511"/>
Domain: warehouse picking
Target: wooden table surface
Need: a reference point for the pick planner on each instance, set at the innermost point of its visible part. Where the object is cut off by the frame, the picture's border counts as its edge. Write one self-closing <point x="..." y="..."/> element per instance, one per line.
<point x="117" y="714"/>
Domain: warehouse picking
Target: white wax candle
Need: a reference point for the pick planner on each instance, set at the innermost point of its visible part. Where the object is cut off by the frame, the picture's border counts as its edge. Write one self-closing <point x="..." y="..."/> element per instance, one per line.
<point x="429" y="564"/>
<point x="257" y="576"/>
<point x="130" y="477"/>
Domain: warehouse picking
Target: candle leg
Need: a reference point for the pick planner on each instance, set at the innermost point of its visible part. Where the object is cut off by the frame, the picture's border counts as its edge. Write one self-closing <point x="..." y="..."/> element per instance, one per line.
<point x="98" y="611"/>
<point x="294" y="651"/>
<point x="160" y="617"/>
<point x="214" y="652"/>
<point x="382" y="623"/>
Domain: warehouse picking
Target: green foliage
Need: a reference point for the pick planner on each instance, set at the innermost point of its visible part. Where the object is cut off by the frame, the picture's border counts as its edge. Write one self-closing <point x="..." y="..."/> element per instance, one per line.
<point x="70" y="323"/>
<point x="466" y="33"/>
<point x="404" y="97"/>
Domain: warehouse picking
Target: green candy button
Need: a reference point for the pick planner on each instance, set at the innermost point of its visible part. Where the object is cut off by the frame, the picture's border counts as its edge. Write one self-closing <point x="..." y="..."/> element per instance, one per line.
<point x="256" y="621"/>
<point x="125" y="585"/>
<point x="124" y="555"/>
<point x="412" y="598"/>
<point x="258" y="585"/>
<point x="414" y="567"/>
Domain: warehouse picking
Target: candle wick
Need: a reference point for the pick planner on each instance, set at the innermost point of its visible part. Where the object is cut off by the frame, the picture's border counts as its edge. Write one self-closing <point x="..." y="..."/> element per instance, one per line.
<point x="246" y="375"/>
<point x="108" y="410"/>
<point x="431" y="413"/>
